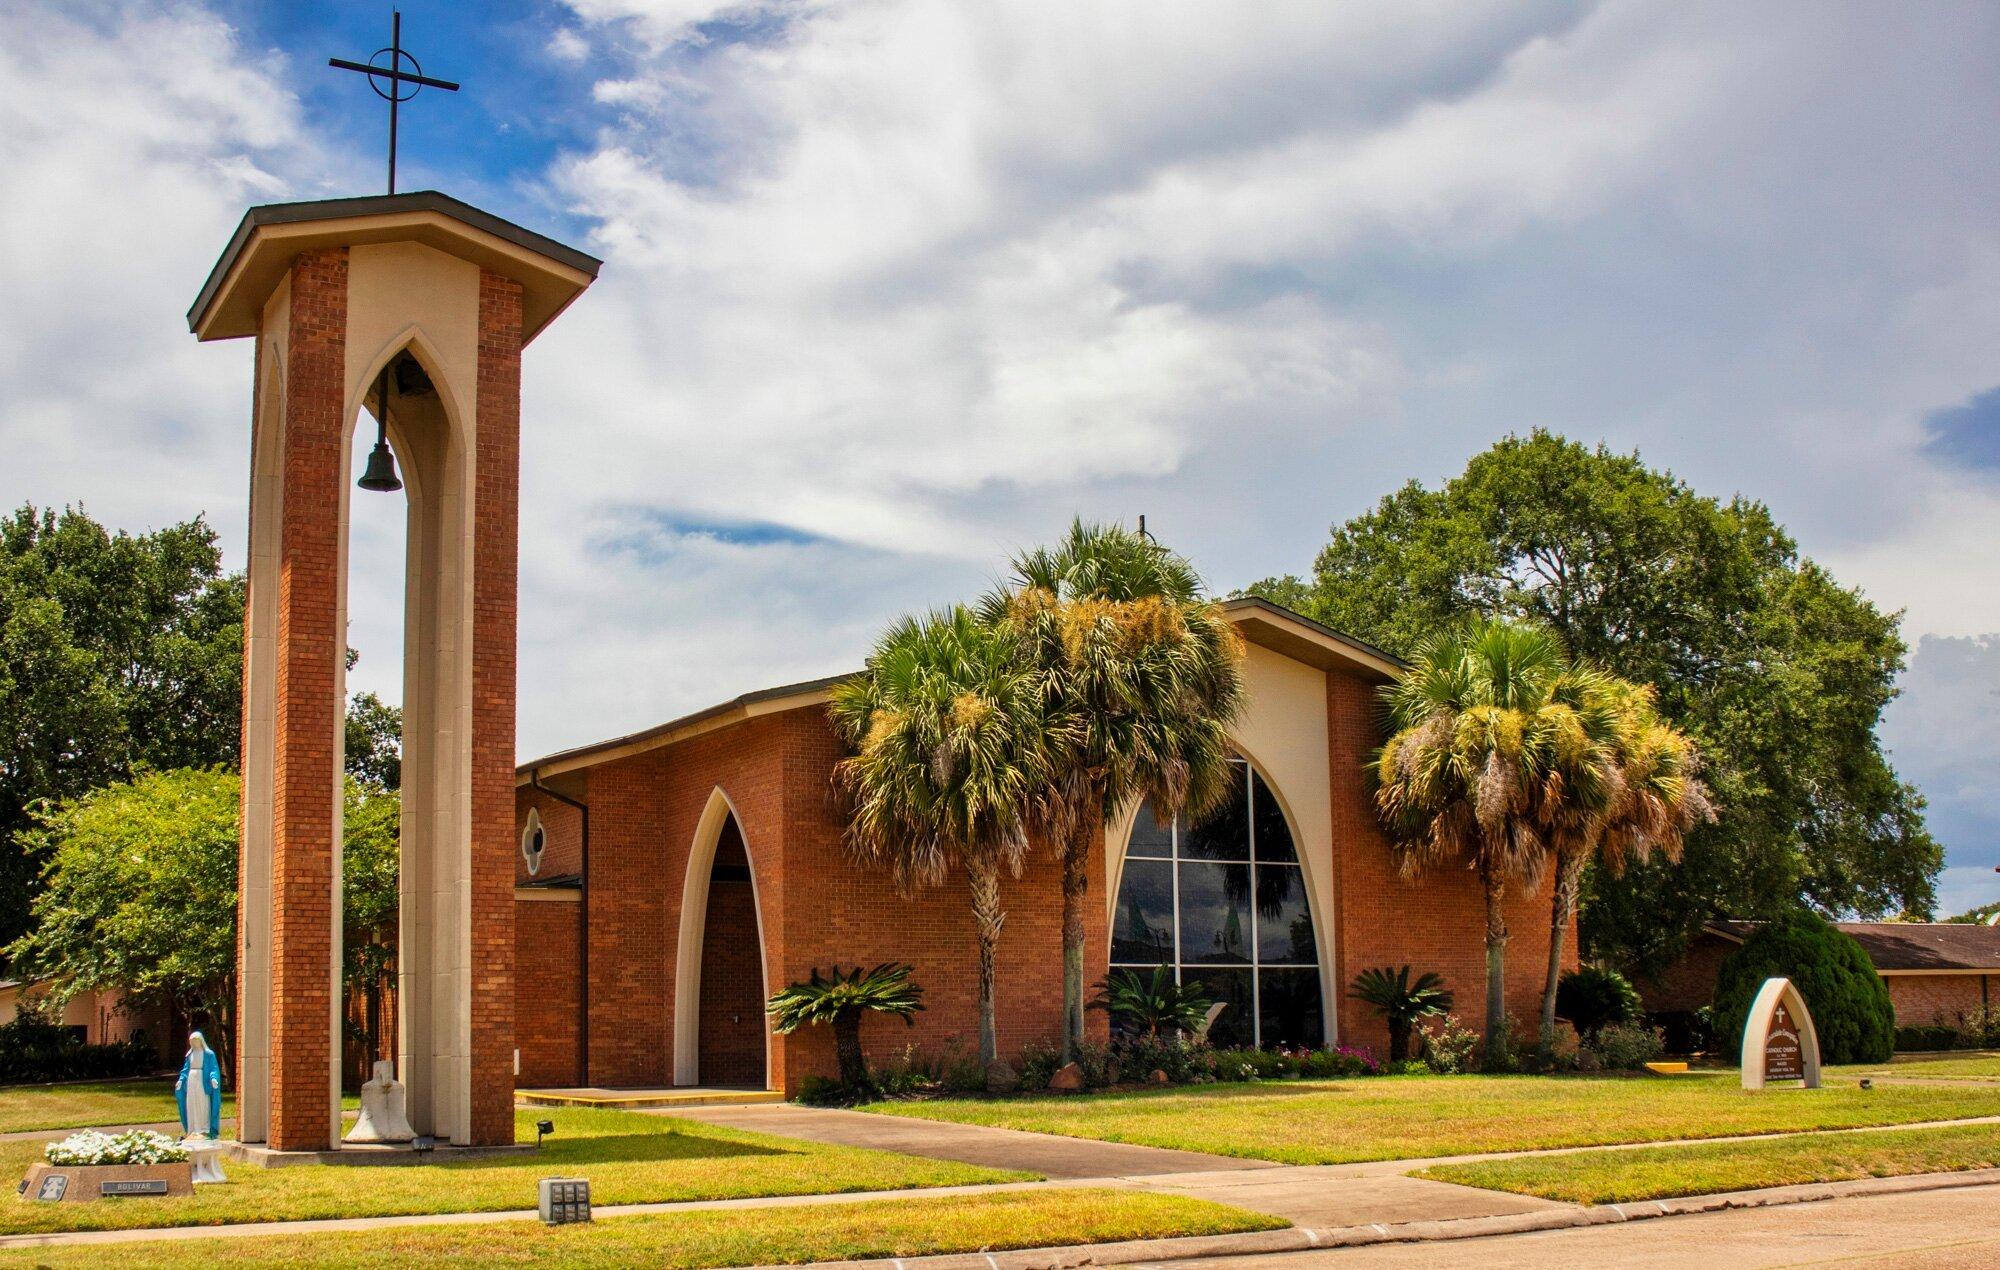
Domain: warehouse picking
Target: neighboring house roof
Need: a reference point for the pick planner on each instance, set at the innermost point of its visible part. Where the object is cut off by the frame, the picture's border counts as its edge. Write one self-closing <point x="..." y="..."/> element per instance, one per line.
<point x="1260" y="621"/>
<point x="1906" y="947"/>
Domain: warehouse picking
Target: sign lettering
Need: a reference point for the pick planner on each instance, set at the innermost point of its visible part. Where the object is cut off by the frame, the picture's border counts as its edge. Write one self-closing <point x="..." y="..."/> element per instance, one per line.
<point x="138" y="1186"/>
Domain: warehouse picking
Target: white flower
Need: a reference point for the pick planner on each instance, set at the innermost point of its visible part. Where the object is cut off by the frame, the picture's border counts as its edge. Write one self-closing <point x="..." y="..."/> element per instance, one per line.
<point x="138" y="1146"/>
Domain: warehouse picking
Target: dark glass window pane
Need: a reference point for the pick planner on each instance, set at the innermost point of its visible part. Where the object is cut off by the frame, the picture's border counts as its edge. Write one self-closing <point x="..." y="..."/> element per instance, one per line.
<point x="1284" y="922"/>
<point x="1233" y="1026"/>
<point x="1274" y="836"/>
<point x="1143" y="930"/>
<point x="1150" y="837"/>
<point x="1291" y="1009"/>
<point x="1226" y="834"/>
<point x="1215" y="913"/>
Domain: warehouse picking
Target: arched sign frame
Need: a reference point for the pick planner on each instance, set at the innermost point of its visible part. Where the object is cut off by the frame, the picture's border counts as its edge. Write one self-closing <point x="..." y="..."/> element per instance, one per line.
<point x="1757" y="1033"/>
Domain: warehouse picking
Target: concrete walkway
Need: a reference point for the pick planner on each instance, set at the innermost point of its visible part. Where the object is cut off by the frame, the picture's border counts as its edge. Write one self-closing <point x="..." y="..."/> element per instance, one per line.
<point x="1042" y="1153"/>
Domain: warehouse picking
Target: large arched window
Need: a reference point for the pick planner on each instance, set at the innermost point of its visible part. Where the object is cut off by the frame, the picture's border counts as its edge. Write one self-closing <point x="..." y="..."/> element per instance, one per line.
<point x="1224" y="903"/>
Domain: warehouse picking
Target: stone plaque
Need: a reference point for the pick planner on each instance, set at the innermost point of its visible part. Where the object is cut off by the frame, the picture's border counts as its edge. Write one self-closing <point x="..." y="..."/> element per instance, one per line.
<point x="1784" y="1058"/>
<point x="53" y="1186"/>
<point x="134" y="1186"/>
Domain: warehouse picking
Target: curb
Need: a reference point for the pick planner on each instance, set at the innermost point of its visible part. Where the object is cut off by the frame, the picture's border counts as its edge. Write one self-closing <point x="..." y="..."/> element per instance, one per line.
<point x="1301" y="1239"/>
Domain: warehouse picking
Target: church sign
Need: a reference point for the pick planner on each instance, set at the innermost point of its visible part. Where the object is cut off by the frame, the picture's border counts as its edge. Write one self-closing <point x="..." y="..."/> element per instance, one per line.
<point x="1779" y="1042"/>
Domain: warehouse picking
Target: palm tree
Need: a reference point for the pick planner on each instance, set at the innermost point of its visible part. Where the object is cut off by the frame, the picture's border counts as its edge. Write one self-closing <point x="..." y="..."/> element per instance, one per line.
<point x="1145" y="672"/>
<point x="1622" y="784"/>
<point x="840" y="1000"/>
<point x="1401" y="1002"/>
<point x="1458" y="777"/>
<point x="951" y="765"/>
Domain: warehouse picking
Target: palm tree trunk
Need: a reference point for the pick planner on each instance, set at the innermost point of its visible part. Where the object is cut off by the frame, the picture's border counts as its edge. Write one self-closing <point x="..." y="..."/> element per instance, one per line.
<point x="847" y="1050"/>
<point x="1075" y="886"/>
<point x="983" y="873"/>
<point x="1496" y="967"/>
<point x="1569" y="878"/>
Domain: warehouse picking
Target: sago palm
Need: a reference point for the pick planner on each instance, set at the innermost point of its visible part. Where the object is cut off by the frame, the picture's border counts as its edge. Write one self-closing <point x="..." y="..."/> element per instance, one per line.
<point x="839" y="1001"/>
<point x="951" y="765"/>
<point x="1458" y="778"/>
<point x="1146" y="673"/>
<point x="1401" y="1001"/>
<point x="1155" y="1003"/>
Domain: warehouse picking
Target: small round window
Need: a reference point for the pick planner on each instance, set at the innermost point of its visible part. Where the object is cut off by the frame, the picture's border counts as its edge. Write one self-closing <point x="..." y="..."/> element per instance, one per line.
<point x="533" y="839"/>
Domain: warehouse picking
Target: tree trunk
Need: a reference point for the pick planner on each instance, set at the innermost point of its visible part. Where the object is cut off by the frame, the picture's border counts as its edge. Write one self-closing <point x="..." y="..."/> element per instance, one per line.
<point x="1496" y="968"/>
<point x="1569" y="877"/>
<point x="983" y="873"/>
<point x="1399" y="1040"/>
<point x="847" y="1050"/>
<point x="1076" y="885"/>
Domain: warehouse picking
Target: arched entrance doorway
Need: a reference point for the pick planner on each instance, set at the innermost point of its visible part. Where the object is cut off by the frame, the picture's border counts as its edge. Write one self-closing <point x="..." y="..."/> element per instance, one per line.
<point x="721" y="1036"/>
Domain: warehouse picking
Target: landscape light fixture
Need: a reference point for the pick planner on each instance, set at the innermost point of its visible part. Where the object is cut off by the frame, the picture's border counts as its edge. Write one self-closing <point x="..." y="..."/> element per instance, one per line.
<point x="543" y="1128"/>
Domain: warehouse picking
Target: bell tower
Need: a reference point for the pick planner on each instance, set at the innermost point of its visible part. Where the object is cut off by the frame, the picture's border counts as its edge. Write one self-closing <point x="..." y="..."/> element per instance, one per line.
<point x="415" y="307"/>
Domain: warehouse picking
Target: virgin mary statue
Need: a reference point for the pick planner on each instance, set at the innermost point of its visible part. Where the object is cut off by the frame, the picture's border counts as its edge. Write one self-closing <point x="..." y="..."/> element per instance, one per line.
<point x="199" y="1090"/>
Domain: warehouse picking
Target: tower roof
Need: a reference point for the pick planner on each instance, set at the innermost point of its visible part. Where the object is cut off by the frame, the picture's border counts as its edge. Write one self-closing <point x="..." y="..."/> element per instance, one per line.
<point x="551" y="274"/>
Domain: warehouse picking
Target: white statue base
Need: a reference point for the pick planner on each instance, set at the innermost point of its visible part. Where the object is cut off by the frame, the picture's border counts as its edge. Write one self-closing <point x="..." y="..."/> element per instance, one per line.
<point x="384" y="1109"/>
<point x="206" y="1156"/>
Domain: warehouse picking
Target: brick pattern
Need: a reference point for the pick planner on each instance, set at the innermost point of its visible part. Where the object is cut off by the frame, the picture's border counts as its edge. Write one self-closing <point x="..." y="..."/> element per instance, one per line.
<point x="562" y="836"/>
<point x="309" y="645"/>
<point x="1951" y="1000"/>
<point x="1434" y="922"/>
<point x="732" y="977"/>
<point x="1689" y="983"/>
<point x="545" y="992"/>
<point x="495" y="551"/>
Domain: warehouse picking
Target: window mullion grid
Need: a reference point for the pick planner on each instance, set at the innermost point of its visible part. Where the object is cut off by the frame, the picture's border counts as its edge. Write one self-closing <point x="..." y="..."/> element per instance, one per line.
<point x="1256" y="942"/>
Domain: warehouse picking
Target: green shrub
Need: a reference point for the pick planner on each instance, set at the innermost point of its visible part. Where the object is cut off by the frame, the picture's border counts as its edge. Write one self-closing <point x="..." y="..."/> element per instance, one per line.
<point x="1039" y="1061"/>
<point x="1928" y="1037"/>
<point x="824" y="1091"/>
<point x="35" y="1048"/>
<point x="1848" y="1001"/>
<point x="1449" y="1046"/>
<point x="1592" y="998"/>
<point x="1623" y="1047"/>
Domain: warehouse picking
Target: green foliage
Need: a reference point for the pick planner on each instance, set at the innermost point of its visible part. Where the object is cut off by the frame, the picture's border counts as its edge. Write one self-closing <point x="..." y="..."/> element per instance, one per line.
<point x="1981" y="916"/>
<point x="1849" y="1003"/>
<point x="1626" y="1047"/>
<point x="838" y="1000"/>
<point x="140" y="890"/>
<point x="117" y="651"/>
<point x="1152" y="1004"/>
<point x="1592" y="997"/>
<point x="1401" y="1001"/>
<point x="35" y="1047"/>
<point x="1449" y="1046"/>
<point x="375" y="742"/>
<point x="1777" y="672"/>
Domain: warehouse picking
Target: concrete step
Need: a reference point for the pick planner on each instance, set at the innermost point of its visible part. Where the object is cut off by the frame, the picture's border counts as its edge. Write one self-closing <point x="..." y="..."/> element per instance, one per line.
<point x="647" y="1099"/>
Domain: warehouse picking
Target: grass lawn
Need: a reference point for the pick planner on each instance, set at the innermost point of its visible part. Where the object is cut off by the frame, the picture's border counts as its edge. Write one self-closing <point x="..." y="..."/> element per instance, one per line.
<point x="1617" y="1177"/>
<point x="25" y="1107"/>
<point x="1406" y="1117"/>
<point x="741" y="1237"/>
<point x="1960" y="1065"/>
<point x="628" y="1157"/>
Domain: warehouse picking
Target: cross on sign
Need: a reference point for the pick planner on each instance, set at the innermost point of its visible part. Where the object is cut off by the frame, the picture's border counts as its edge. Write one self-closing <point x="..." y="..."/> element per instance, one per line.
<point x="397" y="77"/>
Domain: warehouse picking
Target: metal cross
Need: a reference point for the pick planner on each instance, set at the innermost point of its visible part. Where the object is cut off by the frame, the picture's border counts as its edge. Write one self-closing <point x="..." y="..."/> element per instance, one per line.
<point x="397" y="77"/>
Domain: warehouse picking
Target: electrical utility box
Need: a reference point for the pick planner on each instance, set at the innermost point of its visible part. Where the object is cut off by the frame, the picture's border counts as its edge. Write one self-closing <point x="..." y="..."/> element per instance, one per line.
<point x="565" y="1200"/>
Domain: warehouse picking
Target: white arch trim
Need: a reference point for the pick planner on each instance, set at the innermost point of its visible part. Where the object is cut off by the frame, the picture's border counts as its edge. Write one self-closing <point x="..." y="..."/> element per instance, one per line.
<point x="1757" y="1031"/>
<point x="694" y="926"/>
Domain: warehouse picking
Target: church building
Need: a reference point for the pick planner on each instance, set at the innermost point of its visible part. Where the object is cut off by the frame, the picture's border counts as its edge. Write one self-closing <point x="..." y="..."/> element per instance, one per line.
<point x="669" y="881"/>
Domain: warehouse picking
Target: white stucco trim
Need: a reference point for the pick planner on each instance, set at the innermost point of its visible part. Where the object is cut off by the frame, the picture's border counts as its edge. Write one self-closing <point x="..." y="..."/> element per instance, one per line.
<point x="694" y="926"/>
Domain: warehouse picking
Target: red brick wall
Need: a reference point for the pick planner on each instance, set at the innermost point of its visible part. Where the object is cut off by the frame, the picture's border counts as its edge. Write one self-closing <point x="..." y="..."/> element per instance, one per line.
<point x="495" y="548"/>
<point x="562" y="835"/>
<point x="1434" y="922"/>
<point x="545" y="992"/>
<point x="308" y="651"/>
<point x="1951" y="1000"/>
<point x="1689" y="983"/>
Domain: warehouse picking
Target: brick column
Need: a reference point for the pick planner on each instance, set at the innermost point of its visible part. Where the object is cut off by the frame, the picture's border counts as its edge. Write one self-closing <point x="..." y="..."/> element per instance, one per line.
<point x="306" y="808"/>
<point x="495" y="583"/>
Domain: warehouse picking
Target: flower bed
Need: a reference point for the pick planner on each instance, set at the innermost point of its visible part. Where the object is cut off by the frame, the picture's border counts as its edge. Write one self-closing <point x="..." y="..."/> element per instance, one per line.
<point x="137" y="1146"/>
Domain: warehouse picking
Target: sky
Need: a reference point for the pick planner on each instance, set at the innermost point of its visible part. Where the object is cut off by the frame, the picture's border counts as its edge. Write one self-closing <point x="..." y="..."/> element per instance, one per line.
<point x="893" y="288"/>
